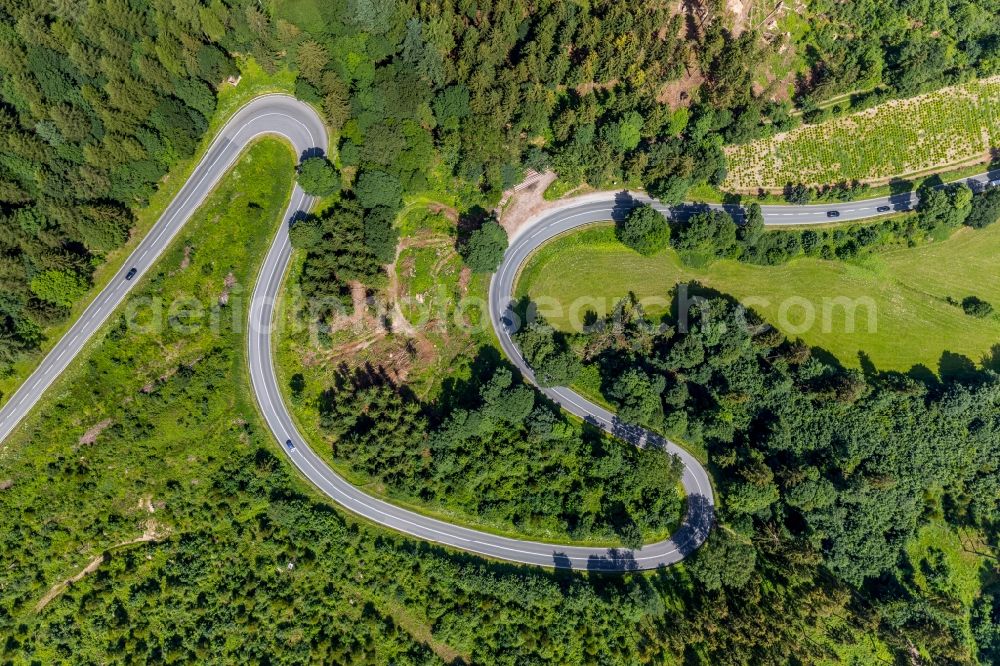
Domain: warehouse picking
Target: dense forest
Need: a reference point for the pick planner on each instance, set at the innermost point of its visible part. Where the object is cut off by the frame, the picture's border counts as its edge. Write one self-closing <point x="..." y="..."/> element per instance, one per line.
<point x="476" y="93"/>
<point x="498" y="452"/>
<point x="905" y="48"/>
<point x="209" y="548"/>
<point x="497" y="87"/>
<point x="98" y="100"/>
<point x="315" y="586"/>
<point x="832" y="468"/>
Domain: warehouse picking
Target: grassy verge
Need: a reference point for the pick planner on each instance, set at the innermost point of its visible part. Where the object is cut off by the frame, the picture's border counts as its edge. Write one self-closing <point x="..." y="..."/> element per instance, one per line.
<point x="560" y="188"/>
<point x="254" y="82"/>
<point x="903" y="317"/>
<point x="705" y="193"/>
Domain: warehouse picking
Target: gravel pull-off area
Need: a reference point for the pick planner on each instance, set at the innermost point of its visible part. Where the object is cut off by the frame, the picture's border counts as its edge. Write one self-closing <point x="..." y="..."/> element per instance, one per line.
<point x="525" y="202"/>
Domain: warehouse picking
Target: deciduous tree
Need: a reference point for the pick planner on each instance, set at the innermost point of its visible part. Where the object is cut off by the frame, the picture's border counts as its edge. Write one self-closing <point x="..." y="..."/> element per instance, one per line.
<point x="644" y="229"/>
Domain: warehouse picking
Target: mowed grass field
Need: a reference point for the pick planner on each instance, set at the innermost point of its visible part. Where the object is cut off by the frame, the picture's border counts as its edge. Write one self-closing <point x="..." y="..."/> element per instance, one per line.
<point x="923" y="134"/>
<point x="902" y="316"/>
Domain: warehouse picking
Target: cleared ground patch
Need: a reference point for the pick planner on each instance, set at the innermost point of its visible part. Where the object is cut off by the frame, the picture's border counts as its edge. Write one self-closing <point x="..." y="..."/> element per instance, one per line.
<point x="901" y="313"/>
<point x="942" y="129"/>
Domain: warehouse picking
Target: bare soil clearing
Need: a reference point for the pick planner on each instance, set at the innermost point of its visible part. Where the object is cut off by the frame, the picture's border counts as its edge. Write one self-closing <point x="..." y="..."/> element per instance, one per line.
<point x="526" y="203"/>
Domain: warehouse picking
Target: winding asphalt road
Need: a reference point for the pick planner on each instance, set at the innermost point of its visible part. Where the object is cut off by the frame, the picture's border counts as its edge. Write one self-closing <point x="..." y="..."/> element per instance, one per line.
<point x="272" y="114"/>
<point x="299" y="124"/>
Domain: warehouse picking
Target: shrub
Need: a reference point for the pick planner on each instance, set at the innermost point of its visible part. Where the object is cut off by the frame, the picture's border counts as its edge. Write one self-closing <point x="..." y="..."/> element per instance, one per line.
<point x="644" y="230"/>
<point x="712" y="232"/>
<point x="547" y="353"/>
<point x="380" y="234"/>
<point x="798" y="195"/>
<point x="670" y="190"/>
<point x="976" y="307"/>
<point x="985" y="209"/>
<point x="58" y="286"/>
<point x="377" y="188"/>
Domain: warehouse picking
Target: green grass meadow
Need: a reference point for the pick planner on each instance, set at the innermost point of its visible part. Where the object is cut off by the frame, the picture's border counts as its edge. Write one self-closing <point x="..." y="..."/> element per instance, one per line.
<point x="902" y="316"/>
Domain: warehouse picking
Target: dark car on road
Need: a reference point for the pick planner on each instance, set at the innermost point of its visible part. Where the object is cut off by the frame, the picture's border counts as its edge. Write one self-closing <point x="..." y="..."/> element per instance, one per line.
<point x="131" y="273"/>
<point x="833" y="213"/>
<point x="289" y="446"/>
<point x="883" y="209"/>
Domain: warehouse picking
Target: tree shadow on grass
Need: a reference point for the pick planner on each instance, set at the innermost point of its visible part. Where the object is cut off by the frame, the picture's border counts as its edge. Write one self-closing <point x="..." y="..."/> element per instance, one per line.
<point x="868" y="368"/>
<point x="931" y="181"/>
<point x="899" y="186"/>
<point x="955" y="367"/>
<point x="732" y="199"/>
<point x="991" y="360"/>
<point x="463" y="393"/>
<point x="924" y="375"/>
<point x="828" y="358"/>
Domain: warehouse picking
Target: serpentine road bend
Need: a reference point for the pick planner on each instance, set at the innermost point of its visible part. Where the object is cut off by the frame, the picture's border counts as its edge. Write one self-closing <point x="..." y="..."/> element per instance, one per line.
<point x="299" y="124"/>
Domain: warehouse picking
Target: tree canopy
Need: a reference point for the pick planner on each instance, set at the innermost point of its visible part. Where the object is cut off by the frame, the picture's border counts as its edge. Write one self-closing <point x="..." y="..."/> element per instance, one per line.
<point x="483" y="250"/>
<point x="644" y="229"/>
<point x="318" y="177"/>
<point x="507" y="456"/>
<point x="803" y="446"/>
